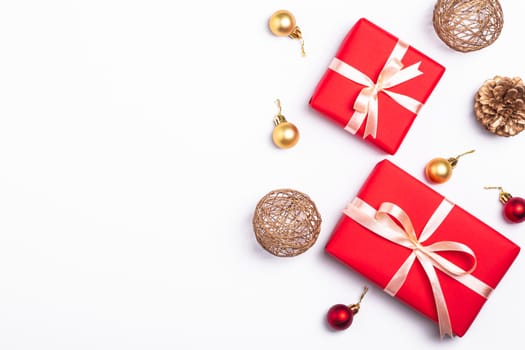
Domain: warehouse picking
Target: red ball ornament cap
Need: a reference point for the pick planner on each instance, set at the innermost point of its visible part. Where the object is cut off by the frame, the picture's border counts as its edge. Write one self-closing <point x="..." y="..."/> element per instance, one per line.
<point x="340" y="316"/>
<point x="513" y="207"/>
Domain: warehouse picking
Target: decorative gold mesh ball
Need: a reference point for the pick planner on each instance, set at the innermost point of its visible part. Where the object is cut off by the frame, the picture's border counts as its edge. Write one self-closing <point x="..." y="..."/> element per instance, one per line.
<point x="286" y="222"/>
<point x="499" y="105"/>
<point x="468" y="25"/>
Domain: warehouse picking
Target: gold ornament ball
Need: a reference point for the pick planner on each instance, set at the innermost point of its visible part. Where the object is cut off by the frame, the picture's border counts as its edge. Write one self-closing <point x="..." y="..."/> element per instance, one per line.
<point x="285" y="135"/>
<point x="282" y="23"/>
<point x="438" y="170"/>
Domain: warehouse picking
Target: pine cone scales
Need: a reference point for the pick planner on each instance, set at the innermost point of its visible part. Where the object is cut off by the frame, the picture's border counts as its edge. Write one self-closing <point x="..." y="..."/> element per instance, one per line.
<point x="500" y="105"/>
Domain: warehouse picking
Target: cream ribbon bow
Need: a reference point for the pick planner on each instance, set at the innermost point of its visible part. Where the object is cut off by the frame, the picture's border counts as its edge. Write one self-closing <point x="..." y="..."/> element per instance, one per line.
<point x="381" y="223"/>
<point x="391" y="75"/>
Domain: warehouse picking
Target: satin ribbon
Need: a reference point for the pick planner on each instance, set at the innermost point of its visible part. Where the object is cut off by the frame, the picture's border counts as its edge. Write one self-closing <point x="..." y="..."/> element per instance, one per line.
<point x="366" y="104"/>
<point x="381" y="223"/>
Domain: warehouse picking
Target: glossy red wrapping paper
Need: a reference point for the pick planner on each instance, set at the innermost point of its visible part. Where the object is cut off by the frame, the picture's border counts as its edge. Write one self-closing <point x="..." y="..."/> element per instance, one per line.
<point x="367" y="48"/>
<point x="378" y="259"/>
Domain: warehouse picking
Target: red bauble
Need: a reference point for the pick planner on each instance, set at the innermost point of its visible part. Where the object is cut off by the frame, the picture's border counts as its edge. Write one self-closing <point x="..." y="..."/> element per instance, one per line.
<point x="340" y="317"/>
<point x="514" y="209"/>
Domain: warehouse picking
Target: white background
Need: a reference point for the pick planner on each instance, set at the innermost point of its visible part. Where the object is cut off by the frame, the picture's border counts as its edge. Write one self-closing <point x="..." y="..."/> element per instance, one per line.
<point x="135" y="144"/>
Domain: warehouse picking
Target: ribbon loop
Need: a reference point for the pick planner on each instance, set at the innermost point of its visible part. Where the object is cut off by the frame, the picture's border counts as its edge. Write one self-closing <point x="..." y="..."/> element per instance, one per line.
<point x="366" y="103"/>
<point x="393" y="223"/>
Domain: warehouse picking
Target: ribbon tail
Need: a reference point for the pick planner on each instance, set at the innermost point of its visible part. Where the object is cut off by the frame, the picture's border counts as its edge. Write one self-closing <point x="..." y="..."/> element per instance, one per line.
<point x="397" y="281"/>
<point x="355" y="122"/>
<point x="407" y="102"/>
<point x="371" y="121"/>
<point x="445" y="326"/>
<point x="402" y="74"/>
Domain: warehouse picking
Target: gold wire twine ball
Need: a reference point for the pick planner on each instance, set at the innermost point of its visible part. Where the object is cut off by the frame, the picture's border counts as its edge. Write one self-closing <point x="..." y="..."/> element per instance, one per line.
<point x="468" y="25"/>
<point x="286" y="222"/>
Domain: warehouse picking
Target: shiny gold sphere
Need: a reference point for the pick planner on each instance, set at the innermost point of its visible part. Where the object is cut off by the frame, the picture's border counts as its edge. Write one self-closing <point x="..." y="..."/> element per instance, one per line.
<point x="282" y="23"/>
<point x="285" y="135"/>
<point x="438" y="170"/>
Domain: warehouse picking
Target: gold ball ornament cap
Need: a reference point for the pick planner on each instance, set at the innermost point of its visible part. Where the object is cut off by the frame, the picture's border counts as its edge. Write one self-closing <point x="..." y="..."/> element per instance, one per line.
<point x="439" y="170"/>
<point x="285" y="134"/>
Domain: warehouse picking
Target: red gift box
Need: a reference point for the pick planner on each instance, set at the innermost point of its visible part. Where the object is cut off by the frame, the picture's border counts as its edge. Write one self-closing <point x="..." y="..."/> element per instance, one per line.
<point x="365" y="240"/>
<point x="375" y="85"/>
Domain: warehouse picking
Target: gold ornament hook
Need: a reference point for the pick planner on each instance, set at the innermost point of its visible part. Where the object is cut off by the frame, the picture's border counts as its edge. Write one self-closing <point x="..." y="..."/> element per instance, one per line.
<point x="279" y="118"/>
<point x="503" y="195"/>
<point x="493" y="188"/>
<point x="298" y="35"/>
<point x="278" y="103"/>
<point x="454" y="160"/>
<point x="355" y="307"/>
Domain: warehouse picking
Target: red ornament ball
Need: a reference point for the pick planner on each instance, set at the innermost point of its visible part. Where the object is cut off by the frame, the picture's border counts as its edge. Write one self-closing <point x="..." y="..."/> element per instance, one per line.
<point x="514" y="209"/>
<point x="340" y="317"/>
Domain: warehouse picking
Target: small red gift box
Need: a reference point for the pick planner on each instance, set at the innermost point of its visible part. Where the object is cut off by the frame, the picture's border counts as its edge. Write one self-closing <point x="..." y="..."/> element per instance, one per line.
<point x="418" y="246"/>
<point x="375" y="85"/>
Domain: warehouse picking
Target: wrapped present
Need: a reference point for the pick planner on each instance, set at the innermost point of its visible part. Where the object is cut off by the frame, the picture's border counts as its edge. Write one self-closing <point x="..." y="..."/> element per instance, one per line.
<point x="376" y="85"/>
<point x="421" y="248"/>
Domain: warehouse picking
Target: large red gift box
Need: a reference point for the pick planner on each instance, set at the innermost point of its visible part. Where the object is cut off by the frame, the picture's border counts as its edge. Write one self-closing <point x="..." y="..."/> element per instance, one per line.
<point x="376" y="85"/>
<point x="452" y="235"/>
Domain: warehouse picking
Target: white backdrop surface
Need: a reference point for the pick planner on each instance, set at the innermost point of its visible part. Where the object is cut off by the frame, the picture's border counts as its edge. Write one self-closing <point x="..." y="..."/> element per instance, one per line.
<point x="135" y="144"/>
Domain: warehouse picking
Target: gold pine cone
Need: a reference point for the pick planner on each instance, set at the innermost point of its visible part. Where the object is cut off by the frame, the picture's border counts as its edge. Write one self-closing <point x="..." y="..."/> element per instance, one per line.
<point x="500" y="105"/>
